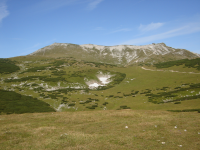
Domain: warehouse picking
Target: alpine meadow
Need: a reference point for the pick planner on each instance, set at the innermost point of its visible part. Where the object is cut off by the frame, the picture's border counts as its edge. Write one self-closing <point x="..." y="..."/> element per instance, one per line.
<point x="69" y="96"/>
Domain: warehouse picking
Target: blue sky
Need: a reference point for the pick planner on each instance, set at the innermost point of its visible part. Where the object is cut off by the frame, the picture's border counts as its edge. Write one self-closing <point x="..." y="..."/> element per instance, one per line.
<point x="26" y="26"/>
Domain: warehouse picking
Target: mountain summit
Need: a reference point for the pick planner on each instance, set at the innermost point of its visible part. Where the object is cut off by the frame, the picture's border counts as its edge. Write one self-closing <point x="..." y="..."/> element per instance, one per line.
<point x="119" y="54"/>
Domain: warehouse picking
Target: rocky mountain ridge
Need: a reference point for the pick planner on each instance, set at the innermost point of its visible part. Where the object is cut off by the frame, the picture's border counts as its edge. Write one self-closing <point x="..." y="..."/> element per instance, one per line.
<point x="119" y="54"/>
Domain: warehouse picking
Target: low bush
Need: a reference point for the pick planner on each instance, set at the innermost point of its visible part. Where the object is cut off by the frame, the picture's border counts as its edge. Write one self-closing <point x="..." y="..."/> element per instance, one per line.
<point x="127" y="94"/>
<point x="71" y="104"/>
<point x="12" y="102"/>
<point x="124" y="107"/>
<point x="90" y="107"/>
<point x="81" y="102"/>
<point x="185" y="110"/>
<point x="105" y="103"/>
<point x="38" y="89"/>
<point x="34" y="84"/>
<point x="111" y="96"/>
<point x="64" y="101"/>
<point x="52" y="96"/>
<point x="42" y="95"/>
<point x="193" y="63"/>
<point x="7" y="66"/>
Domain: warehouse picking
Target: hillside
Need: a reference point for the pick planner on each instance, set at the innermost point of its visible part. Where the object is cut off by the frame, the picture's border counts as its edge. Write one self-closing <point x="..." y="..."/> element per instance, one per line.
<point x="119" y="54"/>
<point x="70" y="84"/>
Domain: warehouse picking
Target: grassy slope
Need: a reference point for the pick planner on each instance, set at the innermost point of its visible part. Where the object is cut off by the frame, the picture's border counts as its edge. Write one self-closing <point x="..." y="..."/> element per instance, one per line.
<point x="150" y="80"/>
<point x="136" y="79"/>
<point x="101" y="130"/>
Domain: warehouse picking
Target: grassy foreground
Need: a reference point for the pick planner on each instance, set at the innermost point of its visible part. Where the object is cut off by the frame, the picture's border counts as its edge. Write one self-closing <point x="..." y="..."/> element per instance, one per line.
<point x="88" y="130"/>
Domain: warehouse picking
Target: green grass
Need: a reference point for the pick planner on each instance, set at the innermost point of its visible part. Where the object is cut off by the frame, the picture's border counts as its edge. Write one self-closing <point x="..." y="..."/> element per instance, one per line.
<point x="101" y="130"/>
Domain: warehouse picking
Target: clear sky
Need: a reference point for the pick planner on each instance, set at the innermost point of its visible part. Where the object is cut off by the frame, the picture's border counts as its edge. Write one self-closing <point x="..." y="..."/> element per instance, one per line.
<point x="28" y="25"/>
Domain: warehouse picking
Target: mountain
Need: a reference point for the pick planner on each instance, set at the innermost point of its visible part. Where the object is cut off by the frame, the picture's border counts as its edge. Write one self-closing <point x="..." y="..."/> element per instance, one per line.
<point x="119" y="54"/>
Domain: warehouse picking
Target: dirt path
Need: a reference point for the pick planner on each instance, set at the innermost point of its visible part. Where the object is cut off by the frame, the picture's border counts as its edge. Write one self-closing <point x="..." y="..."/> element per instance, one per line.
<point x="169" y="71"/>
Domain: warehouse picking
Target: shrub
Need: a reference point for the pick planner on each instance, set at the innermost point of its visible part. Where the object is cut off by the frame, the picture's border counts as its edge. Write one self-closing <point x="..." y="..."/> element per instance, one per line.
<point x="7" y="66"/>
<point x="42" y="94"/>
<point x="38" y="89"/>
<point x="88" y="101"/>
<point x="111" y="96"/>
<point x="90" y="107"/>
<point x="105" y="103"/>
<point x="81" y="102"/>
<point x="52" y="96"/>
<point x="124" y="107"/>
<point x="193" y="63"/>
<point x="177" y="88"/>
<point x="64" y="101"/>
<point x="177" y="103"/>
<point x="72" y="104"/>
<point x="12" y="102"/>
<point x="185" y="110"/>
<point x="126" y="94"/>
